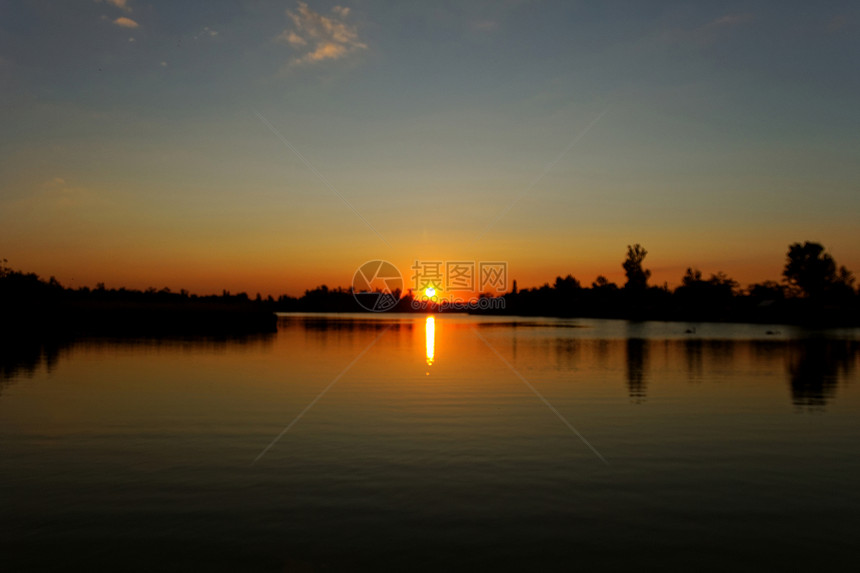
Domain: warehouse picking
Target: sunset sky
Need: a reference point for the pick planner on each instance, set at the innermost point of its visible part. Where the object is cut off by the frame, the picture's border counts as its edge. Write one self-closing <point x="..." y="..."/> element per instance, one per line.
<point x="137" y="144"/>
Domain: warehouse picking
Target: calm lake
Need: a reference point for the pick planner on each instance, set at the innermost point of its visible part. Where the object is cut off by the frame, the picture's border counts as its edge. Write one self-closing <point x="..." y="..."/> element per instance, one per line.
<point x="446" y="443"/>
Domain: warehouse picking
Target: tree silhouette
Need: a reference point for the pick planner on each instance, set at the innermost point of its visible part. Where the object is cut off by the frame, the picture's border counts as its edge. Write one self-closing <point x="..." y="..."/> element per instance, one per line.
<point x="845" y="277"/>
<point x="767" y="290"/>
<point x="692" y="277"/>
<point x="601" y="282"/>
<point x="637" y="277"/>
<point x="842" y="290"/>
<point x="830" y="298"/>
<point x="566" y="284"/>
<point x="809" y="270"/>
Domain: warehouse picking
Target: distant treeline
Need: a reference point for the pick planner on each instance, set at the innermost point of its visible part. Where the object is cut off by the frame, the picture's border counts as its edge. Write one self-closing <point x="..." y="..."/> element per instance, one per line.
<point x="813" y="290"/>
<point x="34" y="307"/>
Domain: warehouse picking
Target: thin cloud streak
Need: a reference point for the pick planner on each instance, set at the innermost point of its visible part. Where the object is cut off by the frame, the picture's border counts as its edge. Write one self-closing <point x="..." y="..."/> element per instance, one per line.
<point x="124" y="22"/>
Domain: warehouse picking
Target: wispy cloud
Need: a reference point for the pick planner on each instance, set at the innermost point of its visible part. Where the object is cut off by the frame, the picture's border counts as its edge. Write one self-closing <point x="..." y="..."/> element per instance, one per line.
<point x="124" y="22"/>
<point x="296" y="40"/>
<point x="121" y="4"/>
<point x="321" y="37"/>
<point x="206" y="32"/>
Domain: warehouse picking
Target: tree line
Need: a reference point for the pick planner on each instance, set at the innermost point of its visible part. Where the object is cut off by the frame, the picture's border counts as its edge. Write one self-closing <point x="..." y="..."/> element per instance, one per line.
<point x="812" y="289"/>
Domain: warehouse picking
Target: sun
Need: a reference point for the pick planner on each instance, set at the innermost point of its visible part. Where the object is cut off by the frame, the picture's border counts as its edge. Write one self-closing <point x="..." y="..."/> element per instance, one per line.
<point x="430" y="292"/>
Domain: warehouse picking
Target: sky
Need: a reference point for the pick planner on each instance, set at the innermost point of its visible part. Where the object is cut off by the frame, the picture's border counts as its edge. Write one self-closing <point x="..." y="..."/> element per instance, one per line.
<point x="272" y="146"/>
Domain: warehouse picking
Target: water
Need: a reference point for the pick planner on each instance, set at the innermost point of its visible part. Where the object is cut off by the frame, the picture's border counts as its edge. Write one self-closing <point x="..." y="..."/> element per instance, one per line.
<point x="727" y="447"/>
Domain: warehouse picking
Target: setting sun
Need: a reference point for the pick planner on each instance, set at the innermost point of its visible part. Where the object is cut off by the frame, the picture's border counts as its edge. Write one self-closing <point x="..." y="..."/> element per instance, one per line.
<point x="430" y="292"/>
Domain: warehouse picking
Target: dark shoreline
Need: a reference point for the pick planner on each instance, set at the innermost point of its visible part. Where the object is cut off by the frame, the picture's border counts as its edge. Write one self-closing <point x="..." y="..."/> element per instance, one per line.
<point x="139" y="319"/>
<point x="192" y="318"/>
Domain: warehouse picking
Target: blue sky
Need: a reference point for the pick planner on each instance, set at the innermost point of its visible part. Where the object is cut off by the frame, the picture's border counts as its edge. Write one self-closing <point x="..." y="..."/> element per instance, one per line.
<point x="132" y="151"/>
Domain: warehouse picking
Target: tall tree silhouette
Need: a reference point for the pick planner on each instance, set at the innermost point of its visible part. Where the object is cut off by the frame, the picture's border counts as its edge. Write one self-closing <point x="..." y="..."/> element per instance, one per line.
<point x="637" y="277"/>
<point x="809" y="269"/>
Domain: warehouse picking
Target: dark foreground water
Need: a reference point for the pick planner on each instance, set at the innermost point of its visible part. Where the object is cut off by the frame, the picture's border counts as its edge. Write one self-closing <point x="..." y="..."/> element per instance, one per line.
<point x="726" y="448"/>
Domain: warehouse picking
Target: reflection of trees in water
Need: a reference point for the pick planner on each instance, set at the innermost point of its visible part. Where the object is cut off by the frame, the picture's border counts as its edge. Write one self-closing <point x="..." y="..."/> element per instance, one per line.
<point x="769" y="350"/>
<point x="566" y="353"/>
<point x="720" y="355"/>
<point x="814" y="366"/>
<point x="326" y="324"/>
<point x="722" y="352"/>
<point x="693" y="351"/>
<point x="323" y="330"/>
<point x="637" y="364"/>
<point x="23" y="358"/>
<point x="601" y="353"/>
<point x="814" y="369"/>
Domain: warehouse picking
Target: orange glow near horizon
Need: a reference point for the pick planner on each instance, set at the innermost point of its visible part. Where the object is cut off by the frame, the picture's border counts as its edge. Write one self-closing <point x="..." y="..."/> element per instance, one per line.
<point x="276" y="281"/>
<point x="281" y="276"/>
<point x="275" y="265"/>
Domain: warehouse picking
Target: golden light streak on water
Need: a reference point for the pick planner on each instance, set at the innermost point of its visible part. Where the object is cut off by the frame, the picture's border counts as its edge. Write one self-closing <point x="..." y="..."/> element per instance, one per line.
<point x="430" y="335"/>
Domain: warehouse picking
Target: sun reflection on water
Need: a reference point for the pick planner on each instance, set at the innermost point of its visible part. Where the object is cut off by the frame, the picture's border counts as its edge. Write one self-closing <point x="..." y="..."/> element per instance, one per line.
<point x="430" y="335"/>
